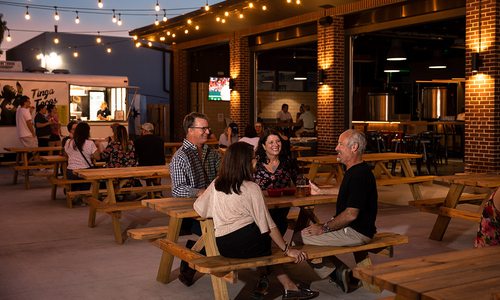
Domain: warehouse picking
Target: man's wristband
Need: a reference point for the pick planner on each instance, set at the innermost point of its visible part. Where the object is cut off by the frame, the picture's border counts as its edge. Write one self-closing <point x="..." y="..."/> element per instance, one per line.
<point x="327" y="228"/>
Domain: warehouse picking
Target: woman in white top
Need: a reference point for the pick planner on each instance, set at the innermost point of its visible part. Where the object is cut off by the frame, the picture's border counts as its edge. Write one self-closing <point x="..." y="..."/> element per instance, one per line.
<point x="243" y="226"/>
<point x="229" y="136"/>
<point x="81" y="152"/>
<point x="250" y="136"/>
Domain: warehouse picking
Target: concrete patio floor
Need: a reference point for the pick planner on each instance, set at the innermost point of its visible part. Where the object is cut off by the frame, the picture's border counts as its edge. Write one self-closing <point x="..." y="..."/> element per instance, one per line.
<point x="48" y="252"/>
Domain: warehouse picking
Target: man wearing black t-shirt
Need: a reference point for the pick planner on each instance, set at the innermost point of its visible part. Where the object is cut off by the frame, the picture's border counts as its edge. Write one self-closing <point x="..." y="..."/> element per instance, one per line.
<point x="356" y="211"/>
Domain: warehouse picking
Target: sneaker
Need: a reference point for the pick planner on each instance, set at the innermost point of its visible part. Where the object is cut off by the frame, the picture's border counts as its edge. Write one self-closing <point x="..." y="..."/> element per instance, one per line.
<point x="302" y="293"/>
<point x="186" y="275"/>
<point x="341" y="277"/>
<point x="261" y="289"/>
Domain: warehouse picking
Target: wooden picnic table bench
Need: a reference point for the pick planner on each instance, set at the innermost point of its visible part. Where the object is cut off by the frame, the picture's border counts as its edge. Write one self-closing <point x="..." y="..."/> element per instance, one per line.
<point x="224" y="269"/>
<point x="448" y="209"/>
<point x="109" y="204"/>
<point x="459" y="275"/>
<point x="25" y="164"/>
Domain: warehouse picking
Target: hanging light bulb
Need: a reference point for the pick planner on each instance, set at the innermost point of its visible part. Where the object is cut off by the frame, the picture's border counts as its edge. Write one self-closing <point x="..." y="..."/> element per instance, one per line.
<point x="288" y="1"/>
<point x="165" y="15"/>
<point x="119" y="22"/>
<point x="156" y="21"/>
<point x="108" y="50"/>
<point x="223" y="21"/>
<point x="99" y="4"/>
<point x="297" y="2"/>
<point x="217" y="19"/>
<point x="27" y="15"/>
<point x="241" y="16"/>
<point x="207" y="7"/>
<point x="56" y="14"/>
<point x="189" y="21"/>
<point x="197" y="27"/>
<point x="77" y="19"/>
<point x="162" y="38"/>
<point x="250" y="4"/>
<point x="264" y="7"/>
<point x="8" y="36"/>
<point x="157" y="6"/>
<point x="98" y="38"/>
<point x="113" y="19"/>
<point x="135" y="37"/>
<point x="56" y="40"/>
<point x="168" y="33"/>
<point x="186" y="31"/>
<point x="138" y="44"/>
<point x="150" y="44"/>
<point x="226" y="13"/>
<point x="173" y="35"/>
<point x="75" y="53"/>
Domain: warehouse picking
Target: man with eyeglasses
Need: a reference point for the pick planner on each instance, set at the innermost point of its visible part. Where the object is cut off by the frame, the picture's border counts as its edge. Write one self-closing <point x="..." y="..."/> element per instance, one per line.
<point x="192" y="168"/>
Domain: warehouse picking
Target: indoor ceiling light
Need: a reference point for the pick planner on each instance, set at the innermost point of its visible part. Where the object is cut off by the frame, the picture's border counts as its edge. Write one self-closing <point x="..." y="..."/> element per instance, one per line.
<point x="437" y="61"/>
<point x="396" y="52"/>
<point x="300" y="76"/>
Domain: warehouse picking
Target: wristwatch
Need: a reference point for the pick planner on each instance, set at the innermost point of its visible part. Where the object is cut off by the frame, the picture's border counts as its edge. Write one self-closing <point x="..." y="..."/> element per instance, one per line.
<point x="327" y="228"/>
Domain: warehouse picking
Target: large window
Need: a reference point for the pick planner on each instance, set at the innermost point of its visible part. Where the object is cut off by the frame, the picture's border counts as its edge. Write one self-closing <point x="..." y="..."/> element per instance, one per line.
<point x="86" y="101"/>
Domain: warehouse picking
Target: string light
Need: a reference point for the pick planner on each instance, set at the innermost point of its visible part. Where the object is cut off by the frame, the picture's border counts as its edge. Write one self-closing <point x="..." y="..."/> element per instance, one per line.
<point x="186" y="31"/>
<point x="119" y="22"/>
<point x="264" y="7"/>
<point x="27" y="15"/>
<point x="56" y="14"/>
<point x="168" y="33"/>
<point x="162" y="38"/>
<point x="138" y="44"/>
<point x="223" y="21"/>
<point x="165" y="15"/>
<point x="108" y="50"/>
<point x="217" y="19"/>
<point x="135" y="37"/>
<point x="250" y="5"/>
<point x="226" y="13"/>
<point x="150" y="44"/>
<point x="173" y="35"/>
<point x="288" y="1"/>
<point x="113" y="19"/>
<point x="56" y="40"/>
<point x="156" y="21"/>
<point x="207" y="7"/>
<point x="98" y="38"/>
<point x="157" y="6"/>
<point x="189" y="21"/>
<point x="241" y="16"/>
<point x="99" y="4"/>
<point x="9" y="38"/>
<point x="297" y="2"/>
<point x="75" y="53"/>
<point x="197" y="27"/>
<point x="77" y="19"/>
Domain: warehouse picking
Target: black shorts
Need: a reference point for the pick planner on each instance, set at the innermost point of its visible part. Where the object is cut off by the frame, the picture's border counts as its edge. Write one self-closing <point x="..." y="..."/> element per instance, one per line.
<point x="246" y="242"/>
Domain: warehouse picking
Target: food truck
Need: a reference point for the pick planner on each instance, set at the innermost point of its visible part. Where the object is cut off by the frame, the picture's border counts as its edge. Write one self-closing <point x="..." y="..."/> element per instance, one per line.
<point x="77" y="97"/>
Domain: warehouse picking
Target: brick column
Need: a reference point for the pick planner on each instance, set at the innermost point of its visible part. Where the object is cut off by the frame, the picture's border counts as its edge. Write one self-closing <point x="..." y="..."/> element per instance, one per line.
<point x="482" y="101"/>
<point x="239" y="66"/>
<point x="179" y="101"/>
<point x="330" y="119"/>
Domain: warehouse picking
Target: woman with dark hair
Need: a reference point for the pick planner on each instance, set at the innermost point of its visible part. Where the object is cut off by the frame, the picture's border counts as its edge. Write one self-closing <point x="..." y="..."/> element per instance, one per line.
<point x="229" y="136"/>
<point x="243" y="225"/>
<point x="250" y="136"/>
<point x="81" y="151"/>
<point x="274" y="169"/>
<point x="120" y="151"/>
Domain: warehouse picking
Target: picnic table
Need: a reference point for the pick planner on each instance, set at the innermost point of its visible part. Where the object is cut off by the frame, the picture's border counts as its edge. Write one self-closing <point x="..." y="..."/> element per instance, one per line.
<point x="379" y="170"/>
<point x="464" y="274"/>
<point x="179" y="208"/>
<point x="173" y="146"/>
<point x="449" y="210"/>
<point x="24" y="163"/>
<point x="109" y="204"/>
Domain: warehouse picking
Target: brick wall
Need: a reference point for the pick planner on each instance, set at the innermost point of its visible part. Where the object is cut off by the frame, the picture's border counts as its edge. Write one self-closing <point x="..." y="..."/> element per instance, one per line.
<point x="482" y="102"/>
<point x="330" y="115"/>
<point x="239" y="68"/>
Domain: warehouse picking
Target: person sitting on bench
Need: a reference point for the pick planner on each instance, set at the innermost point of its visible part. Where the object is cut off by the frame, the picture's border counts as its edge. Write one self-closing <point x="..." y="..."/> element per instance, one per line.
<point x="243" y="226"/>
<point x="356" y="211"/>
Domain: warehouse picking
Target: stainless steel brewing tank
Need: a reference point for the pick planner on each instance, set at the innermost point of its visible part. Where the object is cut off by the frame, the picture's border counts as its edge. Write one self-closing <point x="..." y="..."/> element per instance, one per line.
<point x="434" y="101"/>
<point x="380" y="106"/>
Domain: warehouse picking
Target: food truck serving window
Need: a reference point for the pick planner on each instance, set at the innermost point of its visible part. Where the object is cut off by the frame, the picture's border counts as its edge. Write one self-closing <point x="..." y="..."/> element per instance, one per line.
<point x="91" y="103"/>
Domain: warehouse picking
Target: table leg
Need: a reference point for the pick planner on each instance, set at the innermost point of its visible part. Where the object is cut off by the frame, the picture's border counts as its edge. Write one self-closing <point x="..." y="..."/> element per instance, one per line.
<point x="408" y="171"/>
<point x="165" y="268"/>
<point x="115" y="216"/>
<point x="450" y="201"/>
<point x="363" y="260"/>
<point x="111" y="198"/>
<point x="313" y="170"/>
<point x="92" y="204"/>
<point x="18" y="163"/>
<point x="218" y="284"/>
<point x="26" y="171"/>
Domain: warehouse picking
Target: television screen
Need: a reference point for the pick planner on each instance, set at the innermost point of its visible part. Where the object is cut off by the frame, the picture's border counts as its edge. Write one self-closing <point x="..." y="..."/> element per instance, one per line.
<point x="218" y="89"/>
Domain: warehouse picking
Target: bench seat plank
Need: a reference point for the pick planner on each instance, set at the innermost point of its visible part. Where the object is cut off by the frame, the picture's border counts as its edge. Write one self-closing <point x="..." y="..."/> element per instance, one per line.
<point x="148" y="233"/>
<point x="220" y="264"/>
<point x="404" y="180"/>
<point x="436" y="202"/>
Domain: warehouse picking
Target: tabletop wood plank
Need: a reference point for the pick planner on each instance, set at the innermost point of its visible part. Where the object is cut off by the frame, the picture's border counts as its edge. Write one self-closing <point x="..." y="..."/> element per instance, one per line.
<point x="485" y="289"/>
<point x="33" y="149"/>
<point x="332" y="159"/>
<point x="128" y="172"/>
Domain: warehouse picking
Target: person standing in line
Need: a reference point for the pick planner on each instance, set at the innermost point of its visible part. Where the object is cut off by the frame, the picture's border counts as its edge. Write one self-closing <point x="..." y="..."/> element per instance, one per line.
<point x="55" y="127"/>
<point x="193" y="166"/>
<point x="42" y="125"/>
<point x="356" y="212"/>
<point x="24" y="124"/>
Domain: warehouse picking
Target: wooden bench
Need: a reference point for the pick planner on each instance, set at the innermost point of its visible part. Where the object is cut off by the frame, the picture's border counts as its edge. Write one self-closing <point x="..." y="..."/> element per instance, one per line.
<point x="124" y="190"/>
<point x="114" y="210"/>
<point x="404" y="180"/>
<point x="437" y="202"/>
<point x="224" y="269"/>
<point x="66" y="184"/>
<point x="454" y="213"/>
<point x="148" y="233"/>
